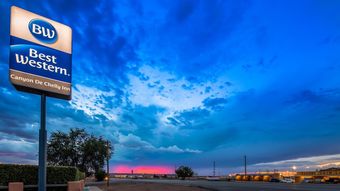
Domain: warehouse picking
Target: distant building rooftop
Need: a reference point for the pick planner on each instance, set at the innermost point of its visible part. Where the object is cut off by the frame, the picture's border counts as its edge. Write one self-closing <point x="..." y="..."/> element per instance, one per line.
<point x="322" y="172"/>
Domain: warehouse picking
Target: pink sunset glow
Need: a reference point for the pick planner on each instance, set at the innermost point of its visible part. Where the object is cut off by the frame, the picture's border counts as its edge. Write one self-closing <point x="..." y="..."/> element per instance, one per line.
<point x="143" y="169"/>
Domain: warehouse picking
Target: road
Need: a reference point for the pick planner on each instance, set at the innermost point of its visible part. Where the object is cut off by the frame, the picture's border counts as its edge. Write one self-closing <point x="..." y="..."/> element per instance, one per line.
<point x="239" y="186"/>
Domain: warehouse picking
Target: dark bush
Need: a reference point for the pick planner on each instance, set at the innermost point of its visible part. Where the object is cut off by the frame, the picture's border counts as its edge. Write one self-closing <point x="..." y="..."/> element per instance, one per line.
<point x="48" y="188"/>
<point x="100" y="175"/>
<point x="28" y="174"/>
<point x="184" y="171"/>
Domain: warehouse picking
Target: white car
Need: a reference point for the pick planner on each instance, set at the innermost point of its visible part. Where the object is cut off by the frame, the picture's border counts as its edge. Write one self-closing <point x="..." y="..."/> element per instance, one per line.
<point x="212" y="178"/>
<point x="287" y="180"/>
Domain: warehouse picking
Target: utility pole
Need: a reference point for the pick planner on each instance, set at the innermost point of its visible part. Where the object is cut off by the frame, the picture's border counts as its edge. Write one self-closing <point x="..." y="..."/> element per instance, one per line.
<point x="245" y="165"/>
<point x="214" y="170"/>
<point x="107" y="163"/>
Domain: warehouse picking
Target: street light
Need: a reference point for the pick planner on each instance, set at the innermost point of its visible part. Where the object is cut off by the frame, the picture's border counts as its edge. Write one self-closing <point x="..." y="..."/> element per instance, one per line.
<point x="294" y="168"/>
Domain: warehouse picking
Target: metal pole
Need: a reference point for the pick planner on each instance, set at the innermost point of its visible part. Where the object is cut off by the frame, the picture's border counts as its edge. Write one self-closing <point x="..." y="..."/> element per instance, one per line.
<point x="245" y="165"/>
<point x="214" y="170"/>
<point x="107" y="165"/>
<point x="42" y="145"/>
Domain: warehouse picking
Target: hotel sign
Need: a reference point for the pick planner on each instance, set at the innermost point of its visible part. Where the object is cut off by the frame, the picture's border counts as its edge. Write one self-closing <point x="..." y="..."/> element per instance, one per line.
<point x="40" y="54"/>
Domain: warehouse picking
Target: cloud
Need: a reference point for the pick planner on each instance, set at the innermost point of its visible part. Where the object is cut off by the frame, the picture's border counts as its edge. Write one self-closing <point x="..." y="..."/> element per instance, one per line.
<point x="304" y="96"/>
<point x="188" y="118"/>
<point x="11" y="122"/>
<point x="172" y="95"/>
<point x="17" y="151"/>
<point x="320" y="96"/>
<point x="213" y="102"/>
<point x="94" y="102"/>
<point x="304" y="163"/>
<point x="175" y="149"/>
<point x="134" y="142"/>
<point x="17" y="145"/>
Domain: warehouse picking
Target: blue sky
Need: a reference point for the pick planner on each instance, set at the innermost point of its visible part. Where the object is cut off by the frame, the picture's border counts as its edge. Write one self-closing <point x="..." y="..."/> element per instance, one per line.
<point x="190" y="82"/>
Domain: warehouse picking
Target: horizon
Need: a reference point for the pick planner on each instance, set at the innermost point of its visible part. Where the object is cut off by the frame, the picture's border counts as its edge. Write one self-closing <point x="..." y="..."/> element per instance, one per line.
<point x="174" y="83"/>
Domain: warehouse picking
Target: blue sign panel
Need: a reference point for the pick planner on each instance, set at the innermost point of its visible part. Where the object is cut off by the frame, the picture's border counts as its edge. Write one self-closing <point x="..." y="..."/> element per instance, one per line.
<point x="40" y="60"/>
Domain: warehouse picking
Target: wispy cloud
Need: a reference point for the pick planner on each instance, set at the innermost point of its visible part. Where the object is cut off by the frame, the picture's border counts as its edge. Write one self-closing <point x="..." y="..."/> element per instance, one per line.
<point x="94" y="102"/>
<point x="134" y="142"/>
<point x="304" y="163"/>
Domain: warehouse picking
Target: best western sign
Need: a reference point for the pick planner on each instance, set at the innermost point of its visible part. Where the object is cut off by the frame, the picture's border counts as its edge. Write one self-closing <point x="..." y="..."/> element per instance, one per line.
<point x="40" y="54"/>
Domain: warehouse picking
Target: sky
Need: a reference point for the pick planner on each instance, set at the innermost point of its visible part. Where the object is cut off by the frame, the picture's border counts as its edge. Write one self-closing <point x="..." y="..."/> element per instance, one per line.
<point x="189" y="82"/>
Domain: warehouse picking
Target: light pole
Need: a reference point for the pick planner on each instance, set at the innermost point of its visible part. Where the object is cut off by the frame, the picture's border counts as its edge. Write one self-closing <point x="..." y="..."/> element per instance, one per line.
<point x="107" y="164"/>
<point x="245" y="165"/>
<point x="214" y="169"/>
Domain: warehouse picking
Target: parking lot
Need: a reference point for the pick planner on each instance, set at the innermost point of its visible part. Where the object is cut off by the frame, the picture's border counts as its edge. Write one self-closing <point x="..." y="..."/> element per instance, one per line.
<point x="239" y="186"/>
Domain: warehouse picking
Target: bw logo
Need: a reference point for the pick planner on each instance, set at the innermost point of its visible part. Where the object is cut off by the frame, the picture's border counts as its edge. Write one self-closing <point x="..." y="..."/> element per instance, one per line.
<point x="43" y="31"/>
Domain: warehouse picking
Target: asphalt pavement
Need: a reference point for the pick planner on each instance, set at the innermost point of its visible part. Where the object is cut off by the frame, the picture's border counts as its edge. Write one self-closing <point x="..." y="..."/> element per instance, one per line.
<point x="239" y="186"/>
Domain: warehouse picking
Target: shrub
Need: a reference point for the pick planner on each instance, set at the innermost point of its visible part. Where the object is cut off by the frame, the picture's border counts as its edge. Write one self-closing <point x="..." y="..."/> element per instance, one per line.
<point x="80" y="175"/>
<point x="184" y="171"/>
<point x="28" y="174"/>
<point x="100" y="175"/>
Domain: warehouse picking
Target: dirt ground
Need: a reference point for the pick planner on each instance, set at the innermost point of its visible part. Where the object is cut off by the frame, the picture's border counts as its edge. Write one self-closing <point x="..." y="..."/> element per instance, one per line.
<point x="150" y="187"/>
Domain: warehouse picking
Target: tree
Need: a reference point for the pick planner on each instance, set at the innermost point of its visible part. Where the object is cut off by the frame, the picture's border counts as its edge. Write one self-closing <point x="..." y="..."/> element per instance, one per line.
<point x="79" y="149"/>
<point x="100" y="175"/>
<point x="95" y="153"/>
<point x="184" y="171"/>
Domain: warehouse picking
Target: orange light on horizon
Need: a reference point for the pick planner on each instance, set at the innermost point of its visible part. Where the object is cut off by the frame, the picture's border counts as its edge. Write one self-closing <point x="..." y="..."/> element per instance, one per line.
<point x="143" y="169"/>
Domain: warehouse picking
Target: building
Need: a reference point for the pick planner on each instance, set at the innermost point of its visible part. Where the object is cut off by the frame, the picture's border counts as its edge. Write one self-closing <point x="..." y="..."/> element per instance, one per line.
<point x="263" y="176"/>
<point x="142" y="176"/>
<point x="325" y="175"/>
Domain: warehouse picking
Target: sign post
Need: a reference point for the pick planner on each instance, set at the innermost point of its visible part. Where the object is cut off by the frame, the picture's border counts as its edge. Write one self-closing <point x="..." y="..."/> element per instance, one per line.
<point x="40" y="63"/>
<point x="42" y="145"/>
